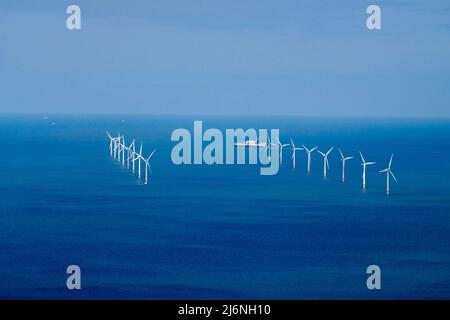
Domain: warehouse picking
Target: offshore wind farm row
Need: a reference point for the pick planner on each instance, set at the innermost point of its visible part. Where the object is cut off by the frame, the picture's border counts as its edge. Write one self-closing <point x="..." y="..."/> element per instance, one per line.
<point x="119" y="151"/>
<point x="269" y="145"/>
<point x="127" y="156"/>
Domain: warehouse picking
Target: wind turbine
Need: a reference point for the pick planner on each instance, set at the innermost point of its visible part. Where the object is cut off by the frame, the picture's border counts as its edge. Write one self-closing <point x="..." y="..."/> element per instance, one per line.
<point x="343" y="159"/>
<point x="281" y="146"/>
<point x="133" y="154"/>
<point x="130" y="157"/>
<point x="134" y="157"/>
<point x="147" y="166"/>
<point x="308" y="151"/>
<point x="364" y="164"/>
<point x="123" y="151"/>
<point x="139" y="157"/>
<point x="276" y="145"/>
<point x="111" y="141"/>
<point x="268" y="148"/>
<point x="325" y="161"/>
<point x="117" y="148"/>
<point x="389" y="172"/>
<point x="130" y="153"/>
<point x="293" y="152"/>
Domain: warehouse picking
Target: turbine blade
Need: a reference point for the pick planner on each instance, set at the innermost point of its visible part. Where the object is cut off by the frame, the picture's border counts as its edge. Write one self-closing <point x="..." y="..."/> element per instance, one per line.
<point x="362" y="157"/>
<point x="330" y="150"/>
<point x="342" y="156"/>
<point x="390" y="161"/>
<point x="151" y="155"/>
<point x="314" y="148"/>
<point x="392" y="174"/>
<point x="384" y="170"/>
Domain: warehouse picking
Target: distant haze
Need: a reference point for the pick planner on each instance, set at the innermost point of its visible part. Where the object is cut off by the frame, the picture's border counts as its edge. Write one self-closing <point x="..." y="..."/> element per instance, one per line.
<point x="291" y="57"/>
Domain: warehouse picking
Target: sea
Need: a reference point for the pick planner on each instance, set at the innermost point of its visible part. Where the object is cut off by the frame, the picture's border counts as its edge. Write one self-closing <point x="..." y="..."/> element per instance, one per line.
<point x="223" y="231"/>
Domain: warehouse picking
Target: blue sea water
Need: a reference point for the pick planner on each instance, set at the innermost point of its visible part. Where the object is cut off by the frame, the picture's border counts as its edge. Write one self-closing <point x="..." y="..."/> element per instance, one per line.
<point x="208" y="232"/>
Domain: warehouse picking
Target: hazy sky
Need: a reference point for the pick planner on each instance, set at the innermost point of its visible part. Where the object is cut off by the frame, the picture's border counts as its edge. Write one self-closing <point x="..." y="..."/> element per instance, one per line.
<point x="305" y="57"/>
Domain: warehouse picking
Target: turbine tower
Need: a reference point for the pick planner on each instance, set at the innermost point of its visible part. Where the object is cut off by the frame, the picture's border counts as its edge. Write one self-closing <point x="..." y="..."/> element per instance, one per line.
<point x="139" y="163"/>
<point x="111" y="141"/>
<point x="118" y="147"/>
<point x="308" y="151"/>
<point x="115" y="147"/>
<point x="268" y="148"/>
<point x="343" y="159"/>
<point x="281" y="146"/>
<point x="388" y="173"/>
<point x="134" y="157"/>
<point x="364" y="164"/>
<point x="130" y="153"/>
<point x="276" y="145"/>
<point x="325" y="161"/>
<point x="123" y="151"/>
<point x="293" y="152"/>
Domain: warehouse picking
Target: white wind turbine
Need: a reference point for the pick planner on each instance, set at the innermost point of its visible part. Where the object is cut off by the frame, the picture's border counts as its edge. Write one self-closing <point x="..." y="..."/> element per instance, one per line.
<point x="364" y="164"/>
<point x="271" y="146"/>
<point x="139" y="157"/>
<point x="116" y="146"/>
<point x="117" y="155"/>
<point x="111" y="141"/>
<point x="281" y="146"/>
<point x="325" y="161"/>
<point x="388" y="173"/>
<point x="147" y="166"/>
<point x="127" y="149"/>
<point x="119" y="148"/>
<point x="130" y="153"/>
<point x="268" y="148"/>
<point x="293" y="152"/>
<point x="343" y="159"/>
<point x="308" y="151"/>
<point x="123" y="151"/>
<point x="134" y="157"/>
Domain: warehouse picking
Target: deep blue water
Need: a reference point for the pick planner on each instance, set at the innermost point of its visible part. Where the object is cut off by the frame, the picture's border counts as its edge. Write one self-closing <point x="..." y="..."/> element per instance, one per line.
<point x="222" y="231"/>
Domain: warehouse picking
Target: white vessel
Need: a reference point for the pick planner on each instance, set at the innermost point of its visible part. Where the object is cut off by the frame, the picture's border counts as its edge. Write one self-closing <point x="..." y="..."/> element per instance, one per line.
<point x="250" y="143"/>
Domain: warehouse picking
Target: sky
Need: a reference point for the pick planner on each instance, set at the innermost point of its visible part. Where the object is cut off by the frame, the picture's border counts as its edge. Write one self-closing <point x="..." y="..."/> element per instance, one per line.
<point x="226" y="57"/>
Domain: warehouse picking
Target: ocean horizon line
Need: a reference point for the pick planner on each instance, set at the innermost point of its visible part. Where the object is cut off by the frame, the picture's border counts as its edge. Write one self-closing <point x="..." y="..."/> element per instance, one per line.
<point x="218" y="115"/>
